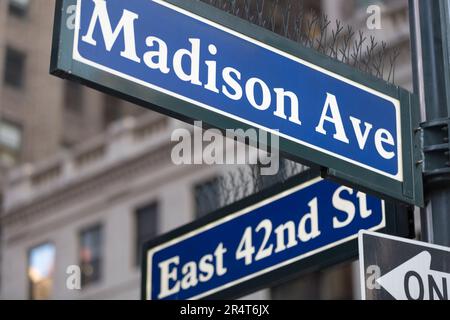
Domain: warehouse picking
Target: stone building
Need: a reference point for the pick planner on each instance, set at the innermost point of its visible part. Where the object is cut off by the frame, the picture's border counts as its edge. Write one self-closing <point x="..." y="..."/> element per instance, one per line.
<point x="39" y="113"/>
<point x="93" y="207"/>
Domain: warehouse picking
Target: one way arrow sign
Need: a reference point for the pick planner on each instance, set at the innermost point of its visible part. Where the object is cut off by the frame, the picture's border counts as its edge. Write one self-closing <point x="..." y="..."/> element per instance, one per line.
<point x="414" y="280"/>
<point x="403" y="269"/>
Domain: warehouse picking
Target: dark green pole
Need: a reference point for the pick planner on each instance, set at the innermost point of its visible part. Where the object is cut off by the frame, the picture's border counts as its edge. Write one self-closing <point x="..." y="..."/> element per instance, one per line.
<point x="430" y="32"/>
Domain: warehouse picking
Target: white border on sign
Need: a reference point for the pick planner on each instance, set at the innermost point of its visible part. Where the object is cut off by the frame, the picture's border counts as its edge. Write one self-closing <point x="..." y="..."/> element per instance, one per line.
<point x="395" y="102"/>
<point x="362" y="270"/>
<point x="242" y="212"/>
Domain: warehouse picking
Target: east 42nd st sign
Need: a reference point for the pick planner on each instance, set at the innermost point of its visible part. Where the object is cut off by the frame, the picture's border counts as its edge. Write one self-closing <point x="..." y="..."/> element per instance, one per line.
<point x="192" y="61"/>
<point x="262" y="240"/>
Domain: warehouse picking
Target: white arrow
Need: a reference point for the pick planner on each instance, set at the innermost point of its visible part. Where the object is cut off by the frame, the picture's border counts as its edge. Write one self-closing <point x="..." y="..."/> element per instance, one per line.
<point x="414" y="280"/>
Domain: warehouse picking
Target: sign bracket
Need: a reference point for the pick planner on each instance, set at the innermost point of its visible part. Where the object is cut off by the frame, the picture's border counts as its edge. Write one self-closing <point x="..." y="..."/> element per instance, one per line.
<point x="436" y="151"/>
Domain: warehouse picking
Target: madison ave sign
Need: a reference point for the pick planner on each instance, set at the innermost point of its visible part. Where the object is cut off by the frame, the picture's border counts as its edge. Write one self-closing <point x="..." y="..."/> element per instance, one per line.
<point x="194" y="62"/>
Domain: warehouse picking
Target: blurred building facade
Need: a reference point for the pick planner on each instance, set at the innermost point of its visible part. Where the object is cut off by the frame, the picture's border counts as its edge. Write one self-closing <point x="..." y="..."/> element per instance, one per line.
<point x="39" y="113"/>
<point x="93" y="207"/>
<point x="86" y="181"/>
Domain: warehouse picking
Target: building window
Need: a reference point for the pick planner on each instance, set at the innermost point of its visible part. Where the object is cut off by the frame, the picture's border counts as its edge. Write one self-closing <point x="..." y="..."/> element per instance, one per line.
<point x="146" y="227"/>
<point x="91" y="255"/>
<point x="10" y="143"/>
<point x="14" y="68"/>
<point x="19" y="7"/>
<point x="73" y="97"/>
<point x="41" y="267"/>
<point x="207" y="197"/>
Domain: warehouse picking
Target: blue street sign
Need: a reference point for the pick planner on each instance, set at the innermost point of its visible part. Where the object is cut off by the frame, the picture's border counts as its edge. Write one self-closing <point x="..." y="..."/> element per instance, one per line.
<point x="194" y="62"/>
<point x="269" y="235"/>
<point x="200" y="62"/>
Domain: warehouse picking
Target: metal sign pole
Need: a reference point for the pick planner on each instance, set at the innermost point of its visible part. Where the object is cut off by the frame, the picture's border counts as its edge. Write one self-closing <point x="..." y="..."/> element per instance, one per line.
<point x="430" y="24"/>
